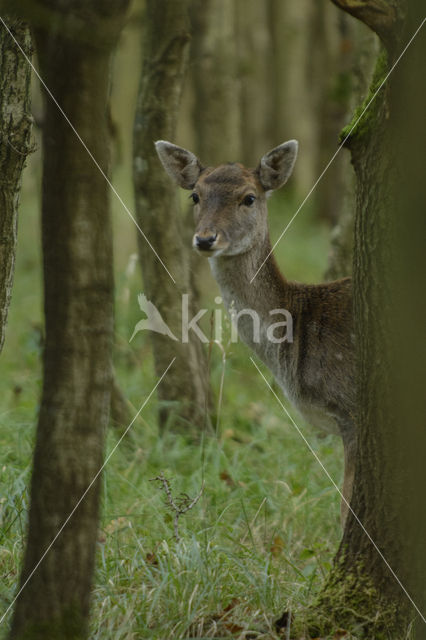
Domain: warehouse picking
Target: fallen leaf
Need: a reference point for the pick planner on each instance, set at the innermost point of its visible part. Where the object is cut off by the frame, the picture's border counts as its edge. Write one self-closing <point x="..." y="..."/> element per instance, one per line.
<point x="115" y="525"/>
<point x="232" y="627"/>
<point x="151" y="558"/>
<point x="228" y="433"/>
<point x="277" y="546"/>
<point x="227" y="479"/>
<point x="234" y="602"/>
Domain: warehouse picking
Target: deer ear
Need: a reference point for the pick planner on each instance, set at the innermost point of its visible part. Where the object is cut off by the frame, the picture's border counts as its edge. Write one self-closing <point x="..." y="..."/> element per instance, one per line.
<point x="181" y="165"/>
<point x="276" y="166"/>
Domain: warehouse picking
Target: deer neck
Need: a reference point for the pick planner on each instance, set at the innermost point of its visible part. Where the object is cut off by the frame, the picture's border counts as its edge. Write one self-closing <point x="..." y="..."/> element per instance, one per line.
<point x="269" y="289"/>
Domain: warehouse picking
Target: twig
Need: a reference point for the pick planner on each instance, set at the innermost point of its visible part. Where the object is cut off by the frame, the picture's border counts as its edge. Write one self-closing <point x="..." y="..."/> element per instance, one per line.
<point x="288" y="625"/>
<point x="222" y="380"/>
<point x="179" y="505"/>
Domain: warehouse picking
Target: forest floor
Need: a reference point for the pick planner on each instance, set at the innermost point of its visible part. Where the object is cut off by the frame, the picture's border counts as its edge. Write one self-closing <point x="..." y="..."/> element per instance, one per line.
<point x="263" y="534"/>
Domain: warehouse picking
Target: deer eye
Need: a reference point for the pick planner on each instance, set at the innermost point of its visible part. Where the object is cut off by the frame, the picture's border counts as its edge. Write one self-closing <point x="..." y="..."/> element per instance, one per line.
<point x="195" y="198"/>
<point x="248" y="200"/>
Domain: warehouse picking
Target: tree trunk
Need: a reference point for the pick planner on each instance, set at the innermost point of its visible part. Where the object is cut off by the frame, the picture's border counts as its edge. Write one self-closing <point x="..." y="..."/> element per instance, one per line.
<point x="254" y="63"/>
<point x="15" y="132"/>
<point x="183" y="393"/>
<point x="408" y="103"/>
<point x="78" y="304"/>
<point x="215" y="81"/>
<point x="387" y="150"/>
<point x="330" y="73"/>
<point x="359" y="51"/>
<point x="294" y="99"/>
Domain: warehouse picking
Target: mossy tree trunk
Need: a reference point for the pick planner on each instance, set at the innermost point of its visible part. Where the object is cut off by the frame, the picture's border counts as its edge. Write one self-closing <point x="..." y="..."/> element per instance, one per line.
<point x="360" y="47"/>
<point x="387" y="150"/>
<point x="183" y="392"/>
<point x="74" y="59"/>
<point x="15" y="132"/>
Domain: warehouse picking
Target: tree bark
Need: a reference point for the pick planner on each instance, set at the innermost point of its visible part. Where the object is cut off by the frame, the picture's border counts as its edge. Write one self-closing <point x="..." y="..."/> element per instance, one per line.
<point x="215" y="81"/>
<point x="408" y="103"/>
<point x="15" y="133"/>
<point x="78" y="305"/>
<point x="184" y="392"/>
<point x="359" y="51"/>
<point x="294" y="99"/>
<point x="254" y="61"/>
<point x="333" y="35"/>
<point x="380" y="15"/>
<point x="389" y="266"/>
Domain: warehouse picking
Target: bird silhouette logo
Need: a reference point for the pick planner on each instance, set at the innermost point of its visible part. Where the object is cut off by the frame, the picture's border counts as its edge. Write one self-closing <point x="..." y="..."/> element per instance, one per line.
<point x="153" y="321"/>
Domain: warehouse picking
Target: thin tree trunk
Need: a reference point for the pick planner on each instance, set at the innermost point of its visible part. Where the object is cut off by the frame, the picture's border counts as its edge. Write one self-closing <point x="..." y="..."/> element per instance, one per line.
<point x="254" y="62"/>
<point x="78" y="304"/>
<point x="183" y="393"/>
<point x="215" y="81"/>
<point x="294" y="100"/>
<point x="15" y="132"/>
<point x="389" y="266"/>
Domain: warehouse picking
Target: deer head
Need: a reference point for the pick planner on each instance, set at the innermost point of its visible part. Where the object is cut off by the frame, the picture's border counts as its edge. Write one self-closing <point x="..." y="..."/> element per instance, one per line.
<point x="229" y="200"/>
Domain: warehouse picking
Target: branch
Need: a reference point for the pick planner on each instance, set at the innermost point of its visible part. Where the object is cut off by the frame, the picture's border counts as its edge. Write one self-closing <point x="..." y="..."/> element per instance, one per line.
<point x="379" y="15"/>
<point x="94" y="24"/>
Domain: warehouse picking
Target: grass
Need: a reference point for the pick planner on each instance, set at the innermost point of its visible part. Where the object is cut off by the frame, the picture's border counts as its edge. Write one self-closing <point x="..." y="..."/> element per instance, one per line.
<point x="263" y="534"/>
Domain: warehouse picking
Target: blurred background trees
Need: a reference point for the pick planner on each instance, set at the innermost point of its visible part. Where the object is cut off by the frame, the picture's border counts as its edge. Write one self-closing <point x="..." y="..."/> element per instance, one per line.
<point x="261" y="73"/>
<point x="184" y="391"/>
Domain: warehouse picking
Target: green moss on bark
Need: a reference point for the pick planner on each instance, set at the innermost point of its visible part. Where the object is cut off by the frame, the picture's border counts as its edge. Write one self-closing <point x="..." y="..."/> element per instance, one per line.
<point x="367" y="113"/>
<point x="351" y="602"/>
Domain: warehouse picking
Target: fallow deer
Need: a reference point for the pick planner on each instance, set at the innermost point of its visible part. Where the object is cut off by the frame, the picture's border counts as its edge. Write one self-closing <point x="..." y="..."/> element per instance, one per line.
<point x="316" y="370"/>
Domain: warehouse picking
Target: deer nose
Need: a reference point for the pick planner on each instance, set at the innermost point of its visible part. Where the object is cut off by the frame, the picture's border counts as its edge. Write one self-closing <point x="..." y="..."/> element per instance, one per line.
<point x="205" y="243"/>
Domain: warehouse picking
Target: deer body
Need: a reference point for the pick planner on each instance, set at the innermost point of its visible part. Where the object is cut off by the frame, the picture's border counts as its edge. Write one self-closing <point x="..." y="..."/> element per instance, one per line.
<point x="316" y="369"/>
<point x="312" y="370"/>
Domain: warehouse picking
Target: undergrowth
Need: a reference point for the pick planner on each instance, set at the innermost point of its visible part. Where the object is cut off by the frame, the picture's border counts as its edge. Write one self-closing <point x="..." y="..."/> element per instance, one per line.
<point x="261" y="538"/>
